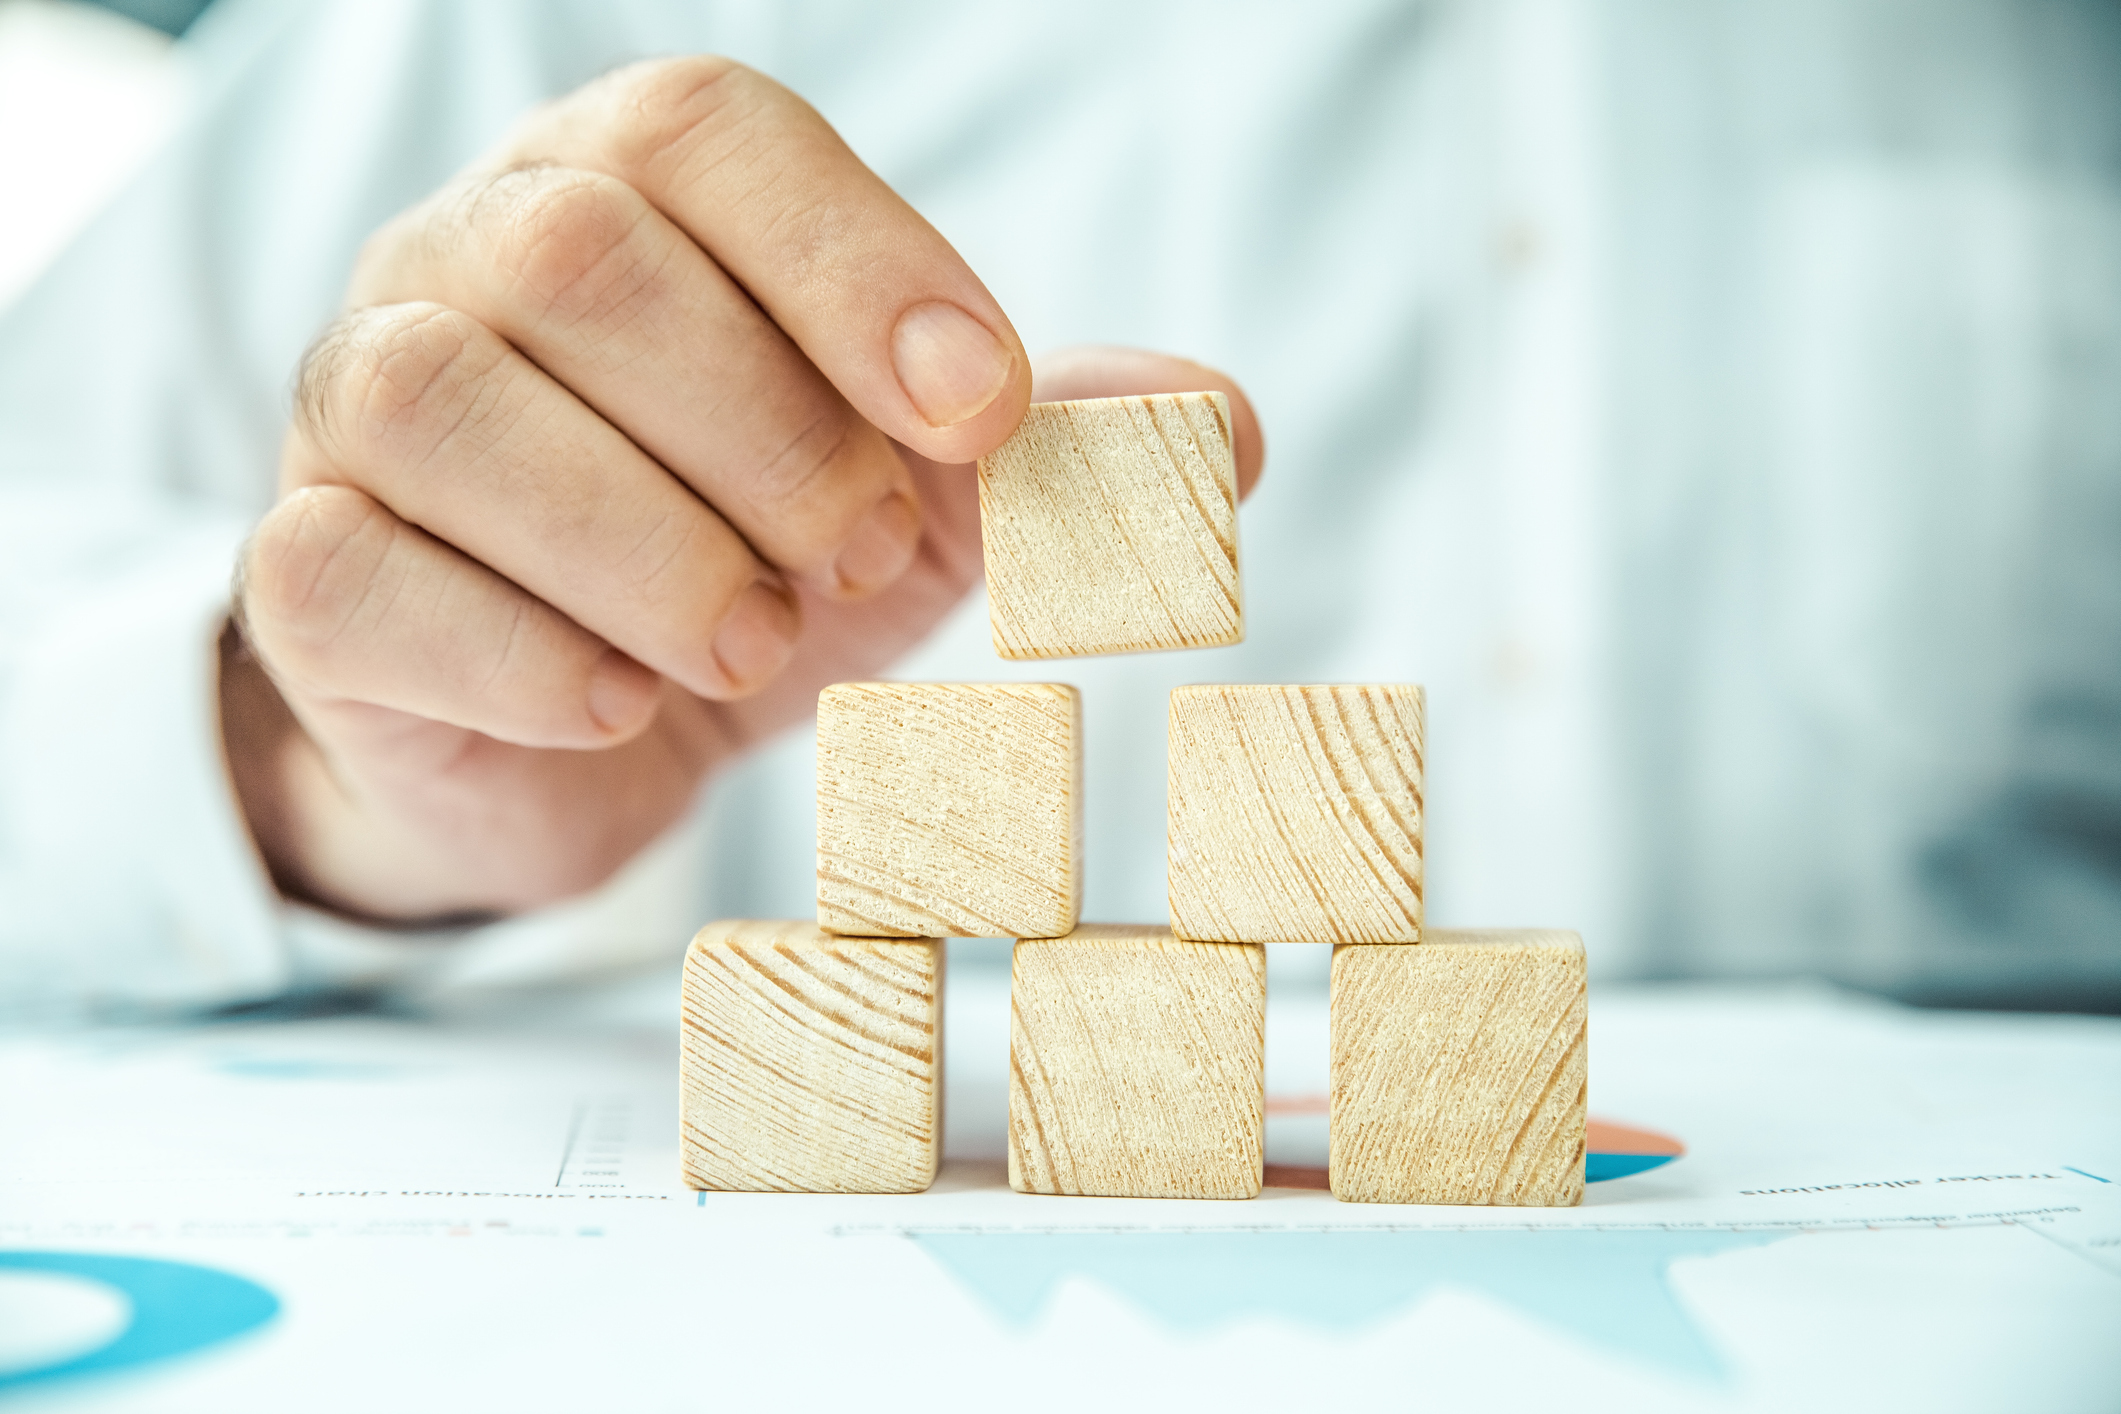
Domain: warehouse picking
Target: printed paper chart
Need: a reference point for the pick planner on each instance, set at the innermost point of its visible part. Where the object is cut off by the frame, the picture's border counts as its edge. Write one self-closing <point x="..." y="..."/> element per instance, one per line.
<point x="1868" y="1208"/>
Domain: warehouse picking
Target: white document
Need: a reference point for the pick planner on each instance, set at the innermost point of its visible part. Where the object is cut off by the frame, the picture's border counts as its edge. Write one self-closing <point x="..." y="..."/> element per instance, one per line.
<point x="1876" y="1209"/>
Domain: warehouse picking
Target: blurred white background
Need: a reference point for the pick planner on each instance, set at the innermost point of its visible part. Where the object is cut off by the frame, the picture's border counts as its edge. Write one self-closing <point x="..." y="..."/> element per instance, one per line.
<point x="86" y="96"/>
<point x="1735" y="446"/>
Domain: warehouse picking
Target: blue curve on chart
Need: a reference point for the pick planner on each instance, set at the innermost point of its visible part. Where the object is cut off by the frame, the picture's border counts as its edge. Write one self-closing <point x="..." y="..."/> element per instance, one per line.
<point x="1606" y="1287"/>
<point x="1599" y="1168"/>
<point x="177" y="1308"/>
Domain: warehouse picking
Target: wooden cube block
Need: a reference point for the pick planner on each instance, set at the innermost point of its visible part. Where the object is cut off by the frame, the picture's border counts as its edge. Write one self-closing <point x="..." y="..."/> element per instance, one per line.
<point x="1458" y="1070"/>
<point x="810" y="1063"/>
<point x="1296" y="814"/>
<point x="949" y="809"/>
<point x="1111" y="527"/>
<point x="1137" y="1065"/>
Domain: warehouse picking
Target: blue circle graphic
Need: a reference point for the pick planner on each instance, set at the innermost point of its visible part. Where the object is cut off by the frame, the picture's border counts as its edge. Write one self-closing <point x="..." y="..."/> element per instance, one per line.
<point x="1601" y="1168"/>
<point x="177" y="1308"/>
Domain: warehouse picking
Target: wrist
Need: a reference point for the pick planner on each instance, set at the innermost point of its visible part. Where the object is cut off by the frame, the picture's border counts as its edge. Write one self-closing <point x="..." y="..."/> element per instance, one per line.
<point x="258" y="733"/>
<point x="310" y="837"/>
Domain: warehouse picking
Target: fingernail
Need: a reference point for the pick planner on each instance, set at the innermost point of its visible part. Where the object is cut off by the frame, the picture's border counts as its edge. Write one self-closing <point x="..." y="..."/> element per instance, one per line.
<point x="881" y="546"/>
<point x="756" y="638"/>
<point x="619" y="690"/>
<point x="948" y="362"/>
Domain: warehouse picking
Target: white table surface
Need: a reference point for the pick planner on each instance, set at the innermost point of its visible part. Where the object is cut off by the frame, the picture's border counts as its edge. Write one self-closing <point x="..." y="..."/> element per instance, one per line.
<point x="1879" y="1209"/>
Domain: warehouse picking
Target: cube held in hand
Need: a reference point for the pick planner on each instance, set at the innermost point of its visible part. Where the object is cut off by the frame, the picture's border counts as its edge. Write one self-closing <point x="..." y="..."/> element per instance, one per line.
<point x="1110" y="526"/>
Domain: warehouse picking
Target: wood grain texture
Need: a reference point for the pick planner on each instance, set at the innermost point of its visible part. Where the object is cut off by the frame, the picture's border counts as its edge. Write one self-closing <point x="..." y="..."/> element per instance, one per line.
<point x="1110" y="526"/>
<point x="949" y="809"/>
<point x="1137" y="1065"/>
<point x="1458" y="1070"/>
<point x="1296" y="814"/>
<point x="810" y="1063"/>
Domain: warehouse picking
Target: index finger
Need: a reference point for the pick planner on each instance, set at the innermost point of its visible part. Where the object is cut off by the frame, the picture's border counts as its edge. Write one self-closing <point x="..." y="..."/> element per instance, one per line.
<point x="872" y="294"/>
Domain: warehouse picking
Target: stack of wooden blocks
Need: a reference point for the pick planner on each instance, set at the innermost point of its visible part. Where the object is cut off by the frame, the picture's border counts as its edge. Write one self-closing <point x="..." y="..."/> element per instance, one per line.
<point x="812" y="1052"/>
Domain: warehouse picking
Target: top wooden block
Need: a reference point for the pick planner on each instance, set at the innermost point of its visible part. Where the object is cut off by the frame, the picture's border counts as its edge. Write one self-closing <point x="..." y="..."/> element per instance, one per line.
<point x="1296" y="814"/>
<point x="1111" y="527"/>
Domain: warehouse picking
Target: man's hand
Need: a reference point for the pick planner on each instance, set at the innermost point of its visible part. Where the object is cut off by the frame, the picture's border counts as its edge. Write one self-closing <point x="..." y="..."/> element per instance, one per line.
<point x="634" y="437"/>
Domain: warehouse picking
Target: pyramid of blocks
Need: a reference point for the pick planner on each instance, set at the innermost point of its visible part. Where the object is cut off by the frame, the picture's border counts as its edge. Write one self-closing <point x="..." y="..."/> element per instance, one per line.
<point x="812" y="1057"/>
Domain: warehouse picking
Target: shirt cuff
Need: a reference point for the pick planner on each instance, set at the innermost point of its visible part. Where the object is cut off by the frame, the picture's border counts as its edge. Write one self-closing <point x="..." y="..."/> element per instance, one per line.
<point x="128" y="875"/>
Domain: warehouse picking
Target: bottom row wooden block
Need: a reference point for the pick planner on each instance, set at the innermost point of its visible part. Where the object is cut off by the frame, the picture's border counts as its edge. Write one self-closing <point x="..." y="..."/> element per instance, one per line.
<point x="1458" y="1070"/>
<point x="810" y="1063"/>
<point x="813" y="1063"/>
<point x="1137" y="1065"/>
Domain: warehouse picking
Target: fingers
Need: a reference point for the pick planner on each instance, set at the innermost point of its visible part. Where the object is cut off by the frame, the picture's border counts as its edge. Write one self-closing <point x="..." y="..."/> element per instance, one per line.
<point x="347" y="603"/>
<point x="647" y="369"/>
<point x="869" y="291"/>
<point x="1093" y="371"/>
<point x="687" y="254"/>
<point x="435" y="416"/>
<point x="619" y="306"/>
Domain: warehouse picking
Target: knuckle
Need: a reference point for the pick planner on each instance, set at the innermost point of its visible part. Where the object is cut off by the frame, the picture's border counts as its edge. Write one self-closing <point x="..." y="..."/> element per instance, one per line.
<point x="669" y="109"/>
<point x="810" y="234"/>
<point x="683" y="119"/>
<point x="317" y="376"/>
<point x="826" y="476"/>
<point x="570" y="242"/>
<point x="802" y="468"/>
<point x="396" y="380"/>
<point x="660" y="567"/>
<point x="307" y="569"/>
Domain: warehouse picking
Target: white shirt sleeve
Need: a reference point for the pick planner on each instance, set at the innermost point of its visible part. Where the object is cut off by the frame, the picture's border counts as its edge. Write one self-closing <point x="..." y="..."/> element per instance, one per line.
<point x="127" y="875"/>
<point x="142" y="398"/>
